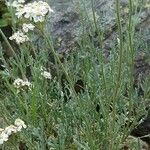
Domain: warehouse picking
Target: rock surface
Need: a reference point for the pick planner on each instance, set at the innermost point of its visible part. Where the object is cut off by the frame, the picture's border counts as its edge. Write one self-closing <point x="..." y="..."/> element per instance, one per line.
<point x="67" y="27"/>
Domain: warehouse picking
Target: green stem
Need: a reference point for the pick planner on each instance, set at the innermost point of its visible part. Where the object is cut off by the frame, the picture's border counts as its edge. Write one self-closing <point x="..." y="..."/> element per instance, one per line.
<point x="131" y="53"/>
<point x="131" y="50"/>
<point x="100" y="38"/>
<point x="61" y="65"/>
<point x="7" y="42"/>
<point x="3" y="59"/>
<point x="101" y="59"/>
<point x="114" y="98"/>
<point x="13" y="52"/>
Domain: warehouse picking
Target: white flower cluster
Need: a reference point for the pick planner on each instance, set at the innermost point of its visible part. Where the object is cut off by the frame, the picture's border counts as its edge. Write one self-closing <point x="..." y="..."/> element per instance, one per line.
<point x="20" y="35"/>
<point x="5" y="133"/>
<point x="20" y="84"/>
<point x="46" y="74"/>
<point x="26" y="27"/>
<point x="35" y="11"/>
<point x="16" y="4"/>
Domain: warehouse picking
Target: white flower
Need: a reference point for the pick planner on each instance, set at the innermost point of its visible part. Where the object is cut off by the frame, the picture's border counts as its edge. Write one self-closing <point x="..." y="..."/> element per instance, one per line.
<point x="8" y="130"/>
<point x="3" y="137"/>
<point x="20" y="124"/>
<point x="26" y="83"/>
<point x="35" y="11"/>
<point x="19" y="83"/>
<point x="20" y="37"/>
<point x="19" y="12"/>
<point x="24" y="11"/>
<point x="5" y="133"/>
<point x="27" y="27"/>
<point x="21" y="1"/>
<point x="46" y="75"/>
<point x="118" y="41"/>
<point x="14" y="4"/>
<point x="40" y="10"/>
<point x="38" y="18"/>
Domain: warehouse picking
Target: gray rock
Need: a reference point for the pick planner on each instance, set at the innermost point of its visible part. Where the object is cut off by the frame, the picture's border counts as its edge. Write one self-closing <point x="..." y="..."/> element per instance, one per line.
<point x="66" y="25"/>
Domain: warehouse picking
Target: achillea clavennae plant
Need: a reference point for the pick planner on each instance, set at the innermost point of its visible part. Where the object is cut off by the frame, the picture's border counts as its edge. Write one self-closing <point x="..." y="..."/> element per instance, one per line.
<point x="5" y="133"/>
<point x="35" y="11"/>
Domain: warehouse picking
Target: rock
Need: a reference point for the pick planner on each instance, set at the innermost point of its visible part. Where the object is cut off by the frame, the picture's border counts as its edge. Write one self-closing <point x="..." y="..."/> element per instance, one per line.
<point x="132" y="143"/>
<point x="67" y="27"/>
<point x="142" y="131"/>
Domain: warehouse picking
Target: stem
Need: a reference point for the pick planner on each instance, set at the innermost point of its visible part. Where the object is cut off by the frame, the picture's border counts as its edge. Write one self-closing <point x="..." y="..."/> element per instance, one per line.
<point x="3" y="59"/>
<point x="131" y="53"/>
<point x="101" y="59"/>
<point x="7" y="42"/>
<point x="101" y="44"/>
<point x="114" y="98"/>
<point x="131" y="48"/>
<point x="13" y="52"/>
<point x="61" y="65"/>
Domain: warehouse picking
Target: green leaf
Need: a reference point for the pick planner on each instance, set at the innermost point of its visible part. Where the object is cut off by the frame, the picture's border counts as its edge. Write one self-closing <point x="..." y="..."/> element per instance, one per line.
<point x="3" y="23"/>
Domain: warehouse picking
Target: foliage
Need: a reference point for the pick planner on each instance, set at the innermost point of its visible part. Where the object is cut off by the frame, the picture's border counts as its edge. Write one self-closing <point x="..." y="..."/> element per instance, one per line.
<point x="5" y="17"/>
<point x="61" y="113"/>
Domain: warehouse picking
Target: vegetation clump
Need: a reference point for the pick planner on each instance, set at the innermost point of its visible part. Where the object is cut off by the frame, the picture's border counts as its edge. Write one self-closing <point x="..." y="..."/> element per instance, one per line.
<point x="86" y="100"/>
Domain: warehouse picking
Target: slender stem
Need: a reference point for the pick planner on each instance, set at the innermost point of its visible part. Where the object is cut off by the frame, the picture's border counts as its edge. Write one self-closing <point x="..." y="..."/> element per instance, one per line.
<point x="3" y="59"/>
<point x="116" y="90"/>
<point x="101" y="59"/>
<point x="131" y="52"/>
<point x="7" y="42"/>
<point x="100" y="36"/>
<point x="61" y="65"/>
<point x="12" y="50"/>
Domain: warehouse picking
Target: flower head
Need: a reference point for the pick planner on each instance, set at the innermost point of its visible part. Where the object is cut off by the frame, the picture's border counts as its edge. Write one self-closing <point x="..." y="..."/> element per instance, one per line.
<point x="46" y="75"/>
<point x="5" y="133"/>
<point x="15" y="4"/>
<point x="8" y="130"/>
<point x="3" y="137"/>
<point x="27" y="27"/>
<point x="20" y="124"/>
<point x="21" y="1"/>
<point x="35" y="11"/>
<point x="19" y="83"/>
<point x="20" y="37"/>
<point x="20" y="11"/>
